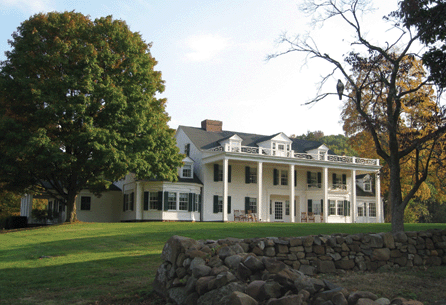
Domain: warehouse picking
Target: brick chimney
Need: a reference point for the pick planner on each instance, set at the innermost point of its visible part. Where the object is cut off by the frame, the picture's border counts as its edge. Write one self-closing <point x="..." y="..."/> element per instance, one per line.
<point x="211" y="125"/>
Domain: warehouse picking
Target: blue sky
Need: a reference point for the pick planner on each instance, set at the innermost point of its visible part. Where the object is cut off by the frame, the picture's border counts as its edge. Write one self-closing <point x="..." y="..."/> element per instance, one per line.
<point x="212" y="58"/>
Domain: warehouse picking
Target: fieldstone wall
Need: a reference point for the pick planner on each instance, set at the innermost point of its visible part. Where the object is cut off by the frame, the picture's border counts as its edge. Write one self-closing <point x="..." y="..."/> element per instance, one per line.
<point x="277" y="270"/>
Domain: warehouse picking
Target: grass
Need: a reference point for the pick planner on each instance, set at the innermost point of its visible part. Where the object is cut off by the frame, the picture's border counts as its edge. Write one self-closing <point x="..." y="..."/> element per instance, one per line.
<point x="97" y="263"/>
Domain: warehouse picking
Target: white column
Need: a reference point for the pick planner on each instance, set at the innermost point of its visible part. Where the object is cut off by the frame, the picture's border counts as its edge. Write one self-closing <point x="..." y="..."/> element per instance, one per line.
<point x="225" y="189"/>
<point x="260" y="191"/>
<point x="325" y="189"/>
<point x="138" y="202"/>
<point x="292" y="193"/>
<point x="379" y="207"/>
<point x="353" y="207"/>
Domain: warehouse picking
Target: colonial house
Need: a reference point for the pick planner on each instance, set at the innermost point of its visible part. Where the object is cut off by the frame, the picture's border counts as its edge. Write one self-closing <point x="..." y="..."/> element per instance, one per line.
<point x="236" y="176"/>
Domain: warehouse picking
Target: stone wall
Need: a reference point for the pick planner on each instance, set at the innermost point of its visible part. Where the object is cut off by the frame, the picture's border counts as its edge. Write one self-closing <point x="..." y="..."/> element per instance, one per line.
<point x="275" y="270"/>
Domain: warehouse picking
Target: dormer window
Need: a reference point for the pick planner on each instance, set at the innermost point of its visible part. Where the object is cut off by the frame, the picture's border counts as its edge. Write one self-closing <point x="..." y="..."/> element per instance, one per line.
<point x="367" y="185"/>
<point x="187" y="171"/>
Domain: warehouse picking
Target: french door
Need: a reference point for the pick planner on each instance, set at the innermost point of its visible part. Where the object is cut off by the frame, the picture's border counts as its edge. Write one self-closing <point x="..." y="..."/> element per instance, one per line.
<point x="278" y="210"/>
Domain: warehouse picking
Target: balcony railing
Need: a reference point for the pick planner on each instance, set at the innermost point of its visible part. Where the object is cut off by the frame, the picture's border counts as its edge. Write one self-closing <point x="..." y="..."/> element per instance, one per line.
<point x="292" y="154"/>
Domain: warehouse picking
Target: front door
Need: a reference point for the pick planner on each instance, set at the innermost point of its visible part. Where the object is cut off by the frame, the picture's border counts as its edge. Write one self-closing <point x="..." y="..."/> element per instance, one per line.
<point x="278" y="211"/>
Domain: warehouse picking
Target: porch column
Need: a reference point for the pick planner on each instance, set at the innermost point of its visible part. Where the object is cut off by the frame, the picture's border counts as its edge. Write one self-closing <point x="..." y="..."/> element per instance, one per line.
<point x="138" y="202"/>
<point x="325" y="189"/>
<point x="353" y="210"/>
<point x="260" y="191"/>
<point x="225" y="189"/>
<point x="292" y="193"/>
<point x="379" y="207"/>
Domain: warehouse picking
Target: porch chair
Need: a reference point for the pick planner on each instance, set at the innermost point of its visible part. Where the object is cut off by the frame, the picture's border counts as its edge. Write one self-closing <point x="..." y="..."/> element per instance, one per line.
<point x="242" y="215"/>
<point x="310" y="217"/>
<point x="237" y="215"/>
<point x="303" y="217"/>
<point x="249" y="215"/>
<point x="322" y="217"/>
<point x="254" y="217"/>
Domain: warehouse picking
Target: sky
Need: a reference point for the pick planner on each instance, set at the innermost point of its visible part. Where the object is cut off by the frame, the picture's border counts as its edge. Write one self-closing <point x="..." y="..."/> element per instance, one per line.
<point x="212" y="56"/>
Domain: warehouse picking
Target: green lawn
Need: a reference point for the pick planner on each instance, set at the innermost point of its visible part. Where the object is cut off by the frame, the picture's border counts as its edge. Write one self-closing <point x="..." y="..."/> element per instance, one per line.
<point x="85" y="263"/>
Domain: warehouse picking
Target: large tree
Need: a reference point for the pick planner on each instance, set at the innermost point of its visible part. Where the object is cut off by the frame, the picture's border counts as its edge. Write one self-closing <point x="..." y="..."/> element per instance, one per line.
<point x="380" y="66"/>
<point x="78" y="108"/>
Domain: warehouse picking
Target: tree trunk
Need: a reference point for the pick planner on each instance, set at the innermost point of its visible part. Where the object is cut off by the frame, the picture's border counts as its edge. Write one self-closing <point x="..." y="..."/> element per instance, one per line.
<point x="71" y="207"/>
<point x="395" y="196"/>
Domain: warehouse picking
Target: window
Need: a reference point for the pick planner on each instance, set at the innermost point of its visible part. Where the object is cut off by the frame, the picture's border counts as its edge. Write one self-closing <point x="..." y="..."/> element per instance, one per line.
<point x="332" y="207"/>
<point x="184" y="200"/>
<point x="367" y="185"/>
<point x="85" y="203"/>
<point x="284" y="177"/>
<point x="280" y="177"/>
<point x="372" y="209"/>
<point x="172" y="201"/>
<point x="187" y="149"/>
<point x="187" y="171"/>
<point x="253" y="205"/>
<point x="360" y="211"/>
<point x="197" y="203"/>
<point x="218" y="173"/>
<point x="250" y="175"/>
<point x="219" y="204"/>
<point x="314" y="179"/>
<point x="287" y="207"/>
<point x="340" y="207"/>
<point x="340" y="182"/>
<point x="153" y="200"/>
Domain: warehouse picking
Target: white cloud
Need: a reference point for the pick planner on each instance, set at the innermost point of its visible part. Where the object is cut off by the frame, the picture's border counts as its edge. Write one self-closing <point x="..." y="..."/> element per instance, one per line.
<point x="205" y="47"/>
<point x="29" y="6"/>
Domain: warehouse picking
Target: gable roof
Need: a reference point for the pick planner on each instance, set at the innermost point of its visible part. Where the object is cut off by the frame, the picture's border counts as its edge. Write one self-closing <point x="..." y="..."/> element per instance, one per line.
<point x="205" y="140"/>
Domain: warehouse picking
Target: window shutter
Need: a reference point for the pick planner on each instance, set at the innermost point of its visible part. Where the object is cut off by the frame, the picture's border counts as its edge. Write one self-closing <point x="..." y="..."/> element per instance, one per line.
<point x="310" y="206"/>
<point x="348" y="208"/>
<point x="215" y="204"/>
<point x="344" y="179"/>
<point x="276" y="176"/>
<point x="190" y="203"/>
<point x="160" y="200"/>
<point x="319" y="179"/>
<point x="132" y="201"/>
<point x="334" y="180"/>
<point x="215" y="172"/>
<point x="246" y="205"/>
<point x="295" y="178"/>
<point x="229" y="173"/>
<point x="229" y="204"/>
<point x="295" y="208"/>
<point x="146" y="201"/>
<point x="247" y="174"/>
<point x="123" y="202"/>
<point x="166" y="201"/>
<point x="345" y="207"/>
<point x="308" y="177"/>
<point x="322" y="206"/>
<point x="194" y="204"/>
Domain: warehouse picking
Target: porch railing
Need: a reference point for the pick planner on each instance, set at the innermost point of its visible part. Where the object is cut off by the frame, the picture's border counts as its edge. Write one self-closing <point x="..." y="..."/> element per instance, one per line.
<point x="292" y="154"/>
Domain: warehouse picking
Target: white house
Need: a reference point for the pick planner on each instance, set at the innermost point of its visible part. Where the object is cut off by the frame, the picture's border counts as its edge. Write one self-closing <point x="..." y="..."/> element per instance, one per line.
<point x="232" y="176"/>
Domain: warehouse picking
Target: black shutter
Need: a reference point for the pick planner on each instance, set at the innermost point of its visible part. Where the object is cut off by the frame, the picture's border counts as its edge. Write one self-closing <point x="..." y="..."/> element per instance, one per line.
<point x="310" y="206"/>
<point x="246" y="205"/>
<point x="322" y="206"/>
<point x="146" y="201"/>
<point x="229" y="173"/>
<point x="308" y="178"/>
<point x="190" y="202"/>
<point x="229" y="204"/>
<point x="166" y="201"/>
<point x="247" y="174"/>
<point x="215" y="204"/>
<point x="276" y="176"/>
<point x="123" y="202"/>
<point x="344" y="179"/>
<point x="334" y="180"/>
<point x="160" y="200"/>
<point x="132" y="201"/>
<point x="215" y="172"/>
<point x="345" y="207"/>
<point x="319" y="179"/>
<point x="295" y="178"/>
